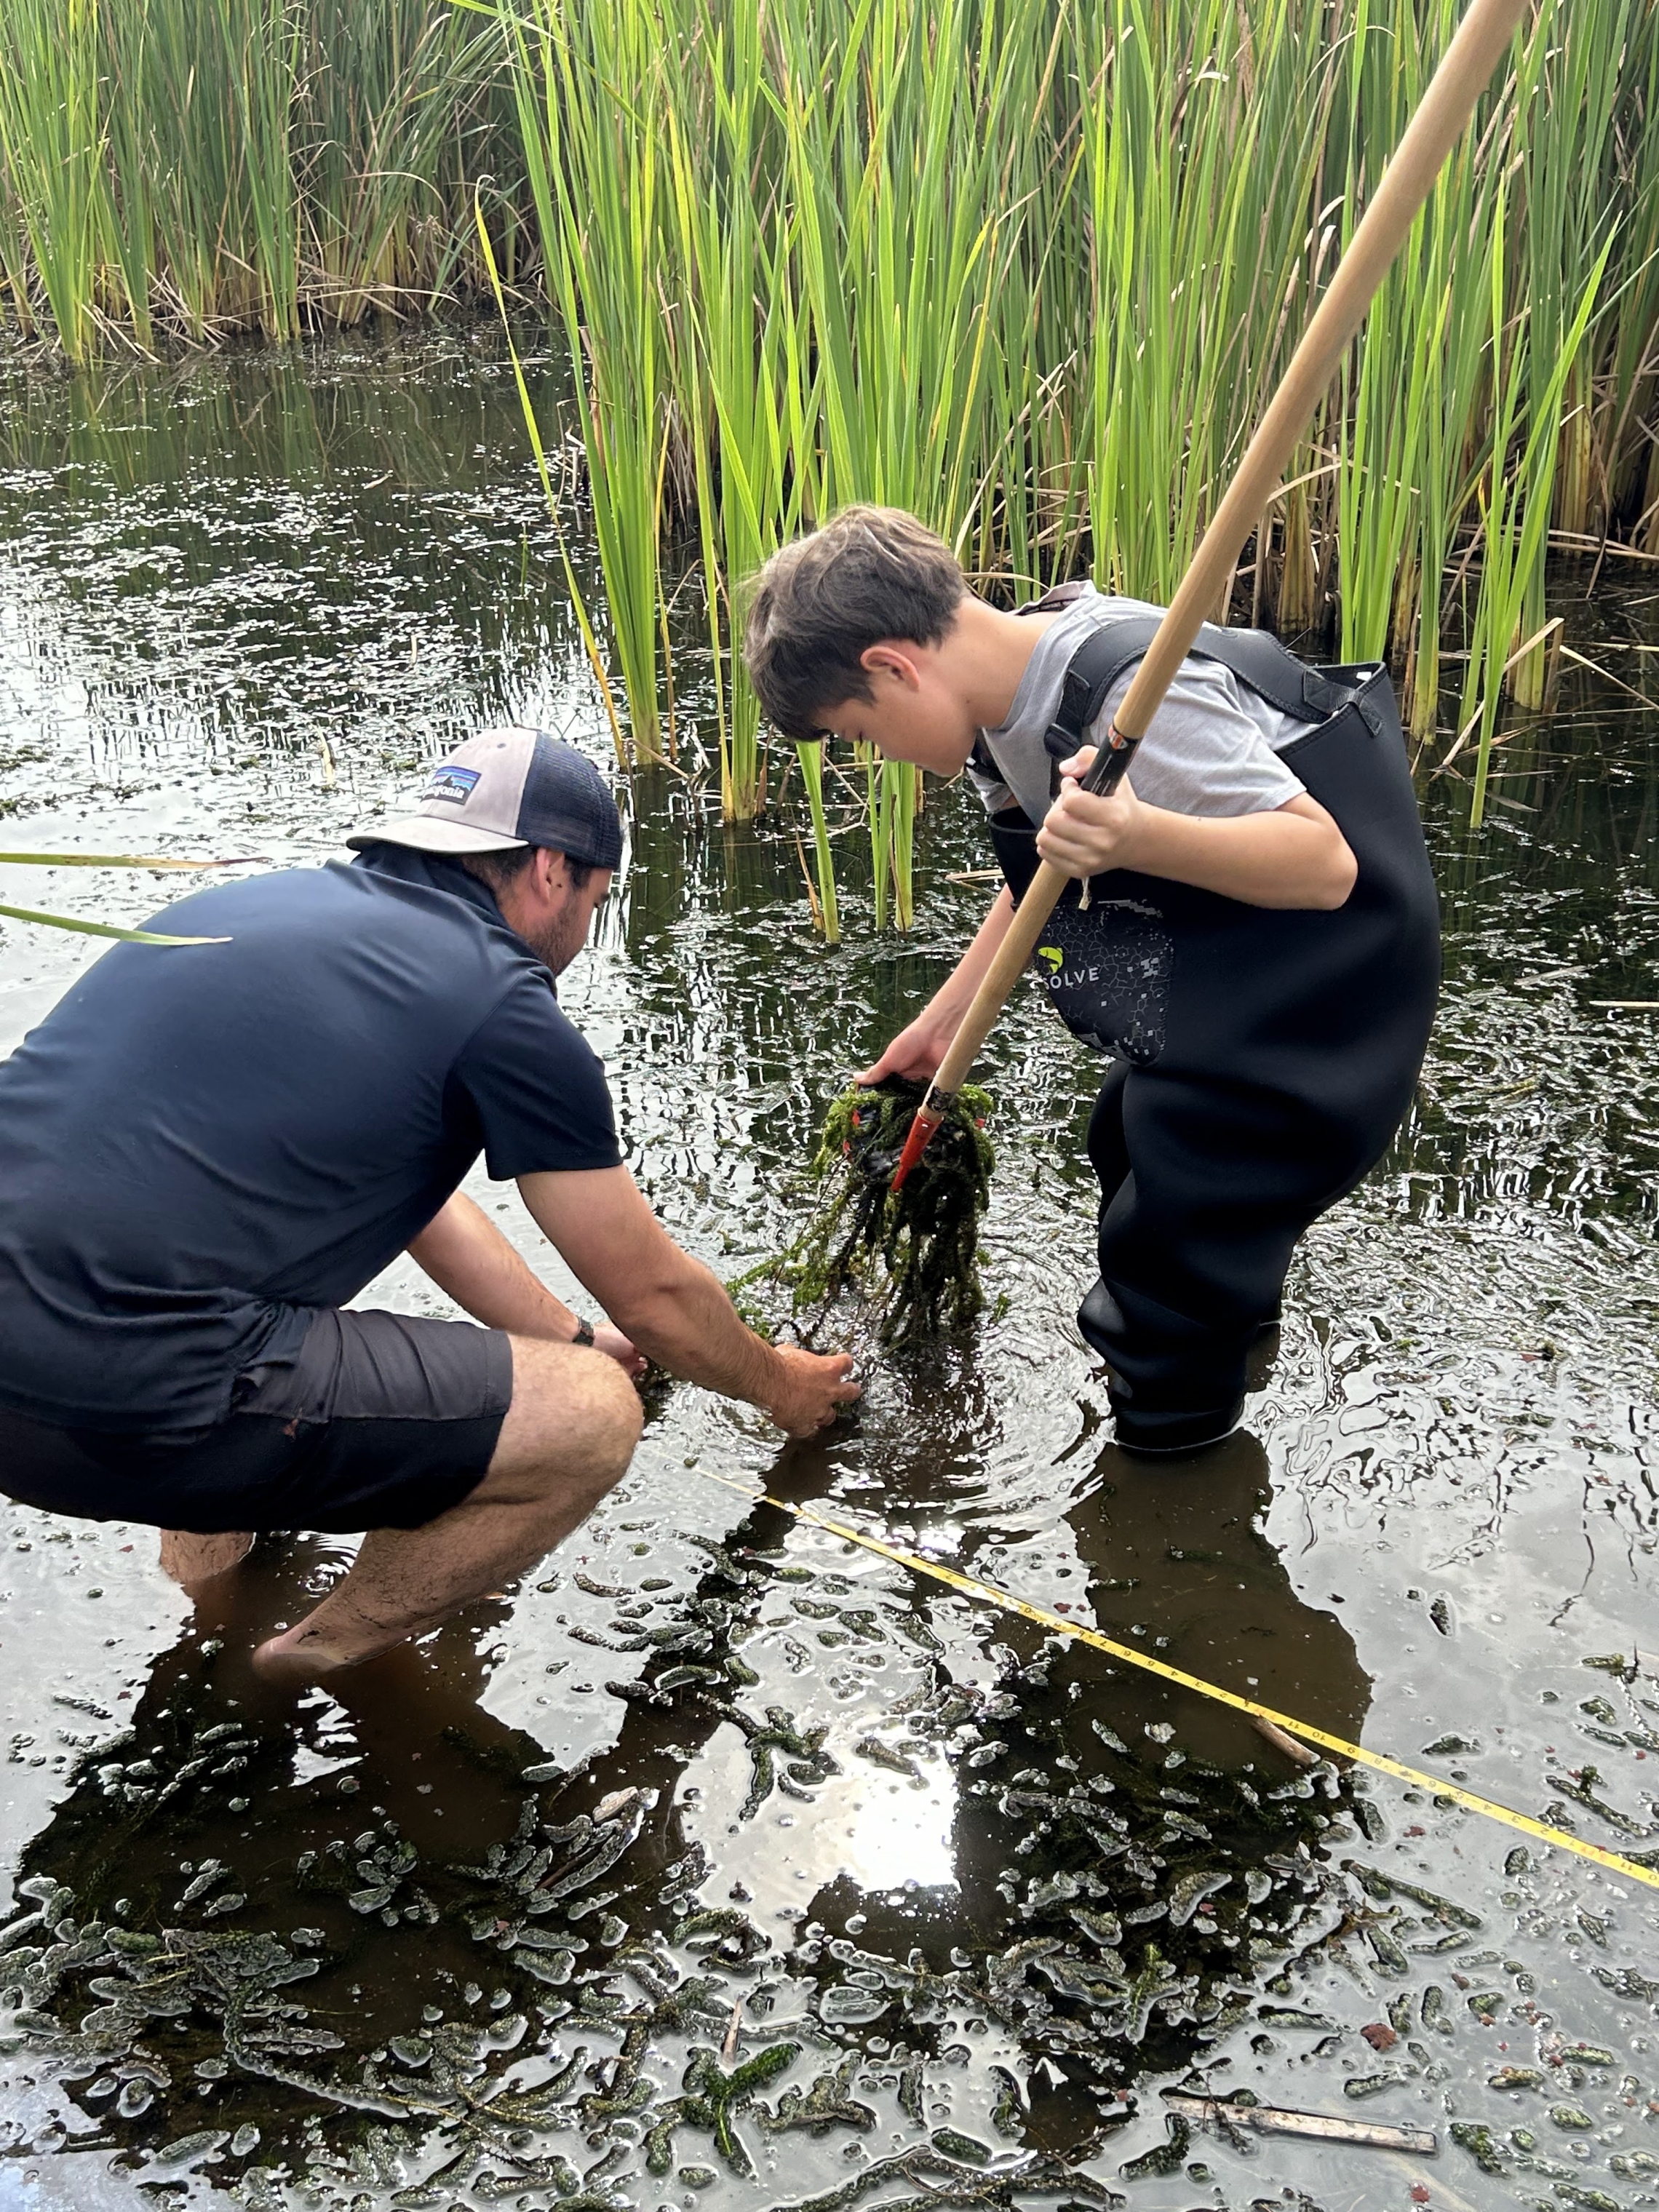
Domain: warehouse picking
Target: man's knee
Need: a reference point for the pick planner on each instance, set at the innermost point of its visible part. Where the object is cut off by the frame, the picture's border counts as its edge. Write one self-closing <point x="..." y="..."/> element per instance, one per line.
<point x="575" y="1414"/>
<point x="586" y="1405"/>
<point x="619" y="1417"/>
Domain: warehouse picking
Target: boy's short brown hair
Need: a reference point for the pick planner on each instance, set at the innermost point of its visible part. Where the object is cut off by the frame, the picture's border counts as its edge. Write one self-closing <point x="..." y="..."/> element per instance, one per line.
<point x="869" y="572"/>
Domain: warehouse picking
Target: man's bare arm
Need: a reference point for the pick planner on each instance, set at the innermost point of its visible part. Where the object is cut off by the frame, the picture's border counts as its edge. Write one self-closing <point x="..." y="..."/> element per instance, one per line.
<point x="466" y="1255"/>
<point x="671" y="1306"/>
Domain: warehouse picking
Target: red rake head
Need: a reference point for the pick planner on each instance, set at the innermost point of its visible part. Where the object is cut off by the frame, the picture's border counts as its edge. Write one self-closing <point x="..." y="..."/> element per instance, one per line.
<point x="915" y="1143"/>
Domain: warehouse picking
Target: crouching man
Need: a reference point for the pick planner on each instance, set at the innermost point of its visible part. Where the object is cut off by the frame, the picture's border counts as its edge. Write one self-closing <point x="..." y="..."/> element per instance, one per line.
<point x="206" y="1152"/>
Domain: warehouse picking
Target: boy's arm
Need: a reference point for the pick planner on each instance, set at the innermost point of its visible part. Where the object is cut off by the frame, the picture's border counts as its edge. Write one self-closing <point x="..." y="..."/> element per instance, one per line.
<point x="1293" y="855"/>
<point x="917" y="1051"/>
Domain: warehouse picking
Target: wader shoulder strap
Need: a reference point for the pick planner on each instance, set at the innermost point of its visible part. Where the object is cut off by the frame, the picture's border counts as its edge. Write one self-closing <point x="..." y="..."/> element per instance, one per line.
<point x="1253" y="656"/>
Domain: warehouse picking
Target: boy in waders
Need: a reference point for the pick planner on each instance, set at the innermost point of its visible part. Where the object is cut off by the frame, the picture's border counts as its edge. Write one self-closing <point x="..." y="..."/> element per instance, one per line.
<point x="1257" y="953"/>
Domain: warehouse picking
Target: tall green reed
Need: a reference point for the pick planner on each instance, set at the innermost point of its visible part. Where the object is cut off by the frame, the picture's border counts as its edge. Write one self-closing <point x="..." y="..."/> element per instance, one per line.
<point x="728" y="336"/>
<point x="387" y="118"/>
<point x="1455" y="252"/>
<point x="904" y="138"/>
<point x="589" y="83"/>
<point x="1625" y="476"/>
<point x="207" y="207"/>
<point x="184" y="167"/>
<point x="741" y="377"/>
<point x="1410" y="389"/>
<point x="1200" y="139"/>
<point x="1566" y="93"/>
<point x="1388" y="396"/>
<point x="1029" y="270"/>
<point x="52" y="144"/>
<point x="1515" y="503"/>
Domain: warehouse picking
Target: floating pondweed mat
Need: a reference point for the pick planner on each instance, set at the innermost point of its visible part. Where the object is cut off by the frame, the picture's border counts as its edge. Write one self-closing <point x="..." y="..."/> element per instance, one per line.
<point x="910" y="1254"/>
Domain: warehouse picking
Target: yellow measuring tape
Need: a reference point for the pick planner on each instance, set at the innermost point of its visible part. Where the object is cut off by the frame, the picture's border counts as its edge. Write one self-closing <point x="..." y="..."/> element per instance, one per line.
<point x="988" y="1594"/>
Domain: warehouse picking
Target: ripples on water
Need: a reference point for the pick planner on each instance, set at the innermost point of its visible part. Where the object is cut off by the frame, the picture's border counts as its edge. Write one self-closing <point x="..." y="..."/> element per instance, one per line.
<point x="723" y="1856"/>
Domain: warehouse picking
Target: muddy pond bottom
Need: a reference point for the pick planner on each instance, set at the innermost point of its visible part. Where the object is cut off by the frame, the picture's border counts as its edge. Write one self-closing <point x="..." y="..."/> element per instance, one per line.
<point x="725" y="1861"/>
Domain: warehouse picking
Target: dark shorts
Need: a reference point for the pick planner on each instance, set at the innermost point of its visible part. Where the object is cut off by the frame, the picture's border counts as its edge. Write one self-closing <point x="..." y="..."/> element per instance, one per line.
<point x="382" y="1421"/>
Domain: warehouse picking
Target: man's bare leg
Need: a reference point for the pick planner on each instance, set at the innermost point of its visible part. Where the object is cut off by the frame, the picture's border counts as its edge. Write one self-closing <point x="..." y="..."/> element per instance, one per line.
<point x="567" y="1439"/>
<point x="192" y="1559"/>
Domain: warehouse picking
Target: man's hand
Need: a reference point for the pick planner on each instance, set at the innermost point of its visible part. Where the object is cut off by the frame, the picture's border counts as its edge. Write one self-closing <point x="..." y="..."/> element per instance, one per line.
<point x="671" y="1307"/>
<point x="816" y="1386"/>
<point x="614" y="1346"/>
<point x="1086" y="833"/>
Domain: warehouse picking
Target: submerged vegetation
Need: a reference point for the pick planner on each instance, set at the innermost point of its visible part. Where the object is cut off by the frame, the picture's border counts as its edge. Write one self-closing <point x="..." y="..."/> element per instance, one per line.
<point x="570" y="1992"/>
<point x="166" y="1979"/>
<point x="1030" y="270"/>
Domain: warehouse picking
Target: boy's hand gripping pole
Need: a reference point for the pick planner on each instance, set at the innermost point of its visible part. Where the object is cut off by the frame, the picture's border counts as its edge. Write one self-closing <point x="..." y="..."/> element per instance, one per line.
<point x="1465" y="69"/>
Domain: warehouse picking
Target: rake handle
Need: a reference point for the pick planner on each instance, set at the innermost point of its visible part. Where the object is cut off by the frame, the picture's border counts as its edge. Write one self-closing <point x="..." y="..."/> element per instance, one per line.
<point x="1465" y="69"/>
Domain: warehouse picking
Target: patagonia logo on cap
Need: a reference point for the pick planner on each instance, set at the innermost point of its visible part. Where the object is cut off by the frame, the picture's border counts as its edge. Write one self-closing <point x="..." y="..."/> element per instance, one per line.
<point x="448" y="781"/>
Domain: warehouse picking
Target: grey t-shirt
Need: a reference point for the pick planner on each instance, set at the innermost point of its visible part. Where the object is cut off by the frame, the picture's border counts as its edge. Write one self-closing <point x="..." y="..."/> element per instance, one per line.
<point x="1212" y="748"/>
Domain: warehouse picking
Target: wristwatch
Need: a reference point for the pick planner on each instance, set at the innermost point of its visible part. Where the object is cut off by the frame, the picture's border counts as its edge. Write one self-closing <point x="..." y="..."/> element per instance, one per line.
<point x="584" y="1332"/>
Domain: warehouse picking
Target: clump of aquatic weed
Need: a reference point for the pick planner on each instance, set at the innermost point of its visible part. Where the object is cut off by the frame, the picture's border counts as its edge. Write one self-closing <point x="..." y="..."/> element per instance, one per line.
<point x="911" y="1254"/>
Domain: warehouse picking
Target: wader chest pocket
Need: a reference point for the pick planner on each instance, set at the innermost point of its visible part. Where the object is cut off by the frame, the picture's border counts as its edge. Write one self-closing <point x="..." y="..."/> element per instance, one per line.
<point x="1106" y="971"/>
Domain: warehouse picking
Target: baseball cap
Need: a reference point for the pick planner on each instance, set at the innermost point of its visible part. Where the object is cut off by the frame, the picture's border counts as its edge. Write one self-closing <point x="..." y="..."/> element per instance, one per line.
<point x="506" y="788"/>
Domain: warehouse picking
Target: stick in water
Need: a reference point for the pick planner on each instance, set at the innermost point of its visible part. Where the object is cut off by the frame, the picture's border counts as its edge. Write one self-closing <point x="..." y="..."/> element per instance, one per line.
<point x="1465" y="69"/>
<point x="1278" y="2120"/>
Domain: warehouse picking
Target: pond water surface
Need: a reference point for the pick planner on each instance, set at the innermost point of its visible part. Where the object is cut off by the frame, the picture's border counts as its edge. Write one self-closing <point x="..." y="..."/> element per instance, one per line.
<point x="725" y="1860"/>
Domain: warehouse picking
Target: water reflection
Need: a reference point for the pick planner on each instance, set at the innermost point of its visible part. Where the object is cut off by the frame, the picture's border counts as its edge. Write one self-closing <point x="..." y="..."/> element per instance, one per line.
<point x="210" y="569"/>
<point x="1180" y="1564"/>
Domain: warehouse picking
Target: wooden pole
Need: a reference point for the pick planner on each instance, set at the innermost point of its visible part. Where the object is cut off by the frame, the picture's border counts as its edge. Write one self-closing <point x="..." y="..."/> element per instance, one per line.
<point x="1465" y="69"/>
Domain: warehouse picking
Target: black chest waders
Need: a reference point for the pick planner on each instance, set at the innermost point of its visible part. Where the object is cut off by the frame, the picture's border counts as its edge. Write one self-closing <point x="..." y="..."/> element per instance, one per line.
<point x="1261" y="1060"/>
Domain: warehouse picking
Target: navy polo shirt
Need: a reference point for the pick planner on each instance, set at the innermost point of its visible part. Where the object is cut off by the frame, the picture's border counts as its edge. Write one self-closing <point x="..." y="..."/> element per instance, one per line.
<point x="201" y="1145"/>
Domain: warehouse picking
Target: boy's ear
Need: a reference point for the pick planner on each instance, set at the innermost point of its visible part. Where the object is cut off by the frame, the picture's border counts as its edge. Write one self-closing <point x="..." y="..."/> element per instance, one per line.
<point x="892" y="657"/>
